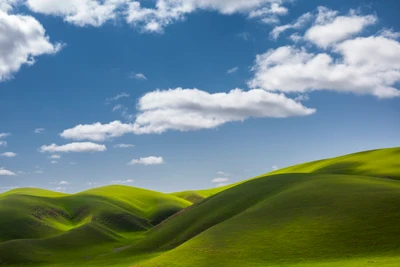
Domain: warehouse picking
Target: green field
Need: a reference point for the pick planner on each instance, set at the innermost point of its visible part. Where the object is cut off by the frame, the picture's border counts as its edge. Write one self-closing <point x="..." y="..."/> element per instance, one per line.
<point x="343" y="211"/>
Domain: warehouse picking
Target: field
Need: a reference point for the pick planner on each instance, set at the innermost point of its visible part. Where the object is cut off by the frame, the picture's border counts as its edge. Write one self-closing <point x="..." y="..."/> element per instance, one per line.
<point x="343" y="211"/>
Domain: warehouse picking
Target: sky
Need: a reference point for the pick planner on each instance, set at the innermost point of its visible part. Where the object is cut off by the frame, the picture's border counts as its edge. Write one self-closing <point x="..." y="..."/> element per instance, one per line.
<point x="172" y="95"/>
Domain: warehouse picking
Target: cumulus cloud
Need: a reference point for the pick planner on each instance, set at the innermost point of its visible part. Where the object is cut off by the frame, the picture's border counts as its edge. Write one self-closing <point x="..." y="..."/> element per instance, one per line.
<point x="25" y="40"/>
<point x="98" y="131"/>
<point x="147" y="161"/>
<point x="80" y="12"/>
<point x="9" y="154"/>
<point x="192" y="109"/>
<point x="129" y="181"/>
<point x="330" y="28"/>
<point x="39" y="130"/>
<point x="4" y="135"/>
<point x="223" y="173"/>
<point x="389" y="33"/>
<point x="124" y="146"/>
<point x="233" y="70"/>
<point x="167" y="12"/>
<point x="55" y="157"/>
<point x="4" y="172"/>
<point x="73" y="147"/>
<point x="220" y="180"/>
<point x="63" y="183"/>
<point x="366" y="65"/>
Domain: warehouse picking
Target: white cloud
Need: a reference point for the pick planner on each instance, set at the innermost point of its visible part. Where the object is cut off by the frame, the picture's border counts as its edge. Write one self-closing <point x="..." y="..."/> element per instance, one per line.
<point x="24" y="40"/>
<point x="21" y="172"/>
<point x="38" y="130"/>
<point x="8" y="5"/>
<point x="223" y="173"/>
<point x="298" y="24"/>
<point x="38" y="172"/>
<point x="60" y="189"/>
<point x="54" y="162"/>
<point x="137" y="76"/>
<point x="167" y="12"/>
<point x="390" y="34"/>
<point x="117" y="97"/>
<point x="63" y="183"/>
<point x="4" y="172"/>
<point x="124" y="112"/>
<point x="221" y="184"/>
<point x="295" y="37"/>
<point x="3" y="143"/>
<point x="80" y="12"/>
<point x="98" y="131"/>
<point x="9" y="154"/>
<point x="274" y="168"/>
<point x="220" y="180"/>
<point x="4" y="135"/>
<point x="233" y="70"/>
<point x="330" y="29"/>
<point x="129" y="181"/>
<point x="368" y="65"/>
<point x="147" y="161"/>
<point x="55" y="157"/>
<point x="193" y="109"/>
<point x="73" y="147"/>
<point x="124" y="146"/>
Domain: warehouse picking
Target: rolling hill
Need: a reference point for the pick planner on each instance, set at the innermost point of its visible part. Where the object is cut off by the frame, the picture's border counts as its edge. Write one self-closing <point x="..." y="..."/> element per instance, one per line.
<point x="343" y="211"/>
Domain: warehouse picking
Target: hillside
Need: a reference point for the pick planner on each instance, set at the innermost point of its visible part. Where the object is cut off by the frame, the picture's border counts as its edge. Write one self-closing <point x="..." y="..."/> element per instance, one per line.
<point x="376" y="163"/>
<point x="36" y="222"/>
<point x="336" y="212"/>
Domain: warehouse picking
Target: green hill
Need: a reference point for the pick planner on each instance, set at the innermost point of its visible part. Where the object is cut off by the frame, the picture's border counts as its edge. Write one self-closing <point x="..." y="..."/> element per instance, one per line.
<point x="336" y="212"/>
<point x="36" y="222"/>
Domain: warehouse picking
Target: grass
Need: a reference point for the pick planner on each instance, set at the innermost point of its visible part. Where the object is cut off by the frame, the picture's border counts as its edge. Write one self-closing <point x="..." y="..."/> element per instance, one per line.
<point x="336" y="212"/>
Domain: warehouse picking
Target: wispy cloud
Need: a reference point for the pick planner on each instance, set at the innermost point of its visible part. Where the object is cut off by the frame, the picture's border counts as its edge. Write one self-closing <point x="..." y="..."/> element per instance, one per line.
<point x="233" y="70"/>
<point x="4" y="135"/>
<point x="137" y="76"/>
<point x="124" y="146"/>
<point x="117" y="97"/>
<point x="3" y="143"/>
<point x="39" y="130"/>
<point x="220" y="180"/>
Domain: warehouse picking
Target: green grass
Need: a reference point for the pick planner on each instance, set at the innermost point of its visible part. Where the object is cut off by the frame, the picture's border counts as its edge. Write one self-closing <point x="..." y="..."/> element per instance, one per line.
<point x="336" y="212"/>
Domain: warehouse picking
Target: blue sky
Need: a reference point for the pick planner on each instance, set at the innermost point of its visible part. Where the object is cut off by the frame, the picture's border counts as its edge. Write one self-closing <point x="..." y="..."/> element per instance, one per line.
<point x="314" y="79"/>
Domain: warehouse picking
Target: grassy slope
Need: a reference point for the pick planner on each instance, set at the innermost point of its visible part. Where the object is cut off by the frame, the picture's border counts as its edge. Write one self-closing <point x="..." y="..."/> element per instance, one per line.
<point x="36" y="223"/>
<point x="286" y="219"/>
<point x="377" y="163"/>
<point x="335" y="212"/>
<point x="306" y="214"/>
